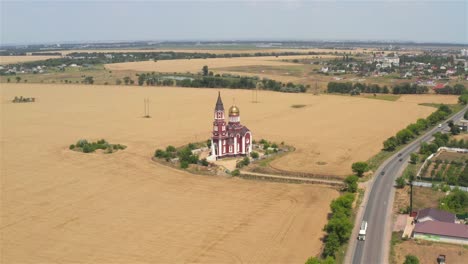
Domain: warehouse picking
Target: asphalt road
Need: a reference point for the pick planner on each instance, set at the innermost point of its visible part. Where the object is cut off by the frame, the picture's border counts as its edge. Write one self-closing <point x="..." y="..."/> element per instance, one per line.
<point x="377" y="212"/>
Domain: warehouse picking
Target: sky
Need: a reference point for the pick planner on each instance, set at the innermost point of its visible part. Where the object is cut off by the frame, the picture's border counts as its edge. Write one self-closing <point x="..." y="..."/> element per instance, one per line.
<point x="28" y="22"/>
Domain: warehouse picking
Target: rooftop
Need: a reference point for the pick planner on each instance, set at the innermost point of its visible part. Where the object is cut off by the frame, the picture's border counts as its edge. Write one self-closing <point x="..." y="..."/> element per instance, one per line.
<point x="437" y="215"/>
<point x="442" y="228"/>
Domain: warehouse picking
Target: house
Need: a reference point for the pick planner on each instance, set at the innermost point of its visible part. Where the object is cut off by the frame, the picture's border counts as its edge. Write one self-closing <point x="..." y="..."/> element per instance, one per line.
<point x="432" y="214"/>
<point x="439" y="86"/>
<point x="442" y="232"/>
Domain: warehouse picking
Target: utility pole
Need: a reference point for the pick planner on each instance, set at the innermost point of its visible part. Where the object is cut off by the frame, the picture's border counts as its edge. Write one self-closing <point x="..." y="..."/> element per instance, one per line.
<point x="146" y="108"/>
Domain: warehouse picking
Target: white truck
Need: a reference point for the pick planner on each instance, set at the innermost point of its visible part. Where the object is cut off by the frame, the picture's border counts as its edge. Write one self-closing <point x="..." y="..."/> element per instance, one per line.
<point x="362" y="231"/>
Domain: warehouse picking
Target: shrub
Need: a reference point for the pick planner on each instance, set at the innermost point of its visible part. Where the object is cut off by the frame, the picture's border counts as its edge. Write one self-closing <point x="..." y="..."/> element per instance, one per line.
<point x="400" y="182"/>
<point x="254" y="155"/>
<point x="235" y="172"/>
<point x="191" y="146"/>
<point x="159" y="153"/>
<point x="246" y="161"/>
<point x="72" y="146"/>
<point x="81" y="143"/>
<point x="170" y="149"/>
<point x="184" y="164"/>
<point x="87" y="148"/>
<point x="204" y="162"/>
<point x="351" y="183"/>
<point x="410" y="259"/>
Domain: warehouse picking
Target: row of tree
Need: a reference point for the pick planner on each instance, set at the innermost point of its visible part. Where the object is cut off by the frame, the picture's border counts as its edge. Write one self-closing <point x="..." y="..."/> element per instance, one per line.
<point x="154" y="79"/>
<point x="357" y="88"/>
<point x="412" y="130"/>
<point x="456" y="89"/>
<point x="339" y="226"/>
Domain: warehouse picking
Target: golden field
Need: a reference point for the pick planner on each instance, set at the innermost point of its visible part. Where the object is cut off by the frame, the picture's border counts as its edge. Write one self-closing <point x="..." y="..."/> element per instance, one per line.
<point x="61" y="206"/>
<point x="196" y="65"/>
<point x="20" y="59"/>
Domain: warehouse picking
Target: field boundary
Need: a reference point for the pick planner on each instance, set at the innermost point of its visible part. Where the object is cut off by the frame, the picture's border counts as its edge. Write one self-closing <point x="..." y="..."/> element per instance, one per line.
<point x="288" y="179"/>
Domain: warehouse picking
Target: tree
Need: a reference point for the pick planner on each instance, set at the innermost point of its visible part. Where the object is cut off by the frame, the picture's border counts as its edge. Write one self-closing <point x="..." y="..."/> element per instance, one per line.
<point x="359" y="168"/>
<point x="254" y="155"/>
<point x="410" y="259"/>
<point x="403" y="136"/>
<point x="455" y="130"/>
<point x="341" y="226"/>
<point x="88" y="80"/>
<point x="400" y="182"/>
<point x="8" y="80"/>
<point x="456" y="202"/>
<point x="351" y="183"/>
<point x="205" y="70"/>
<point x="332" y="243"/>
<point x="390" y="144"/>
<point x="18" y="79"/>
<point x="126" y="80"/>
<point x="414" y="158"/>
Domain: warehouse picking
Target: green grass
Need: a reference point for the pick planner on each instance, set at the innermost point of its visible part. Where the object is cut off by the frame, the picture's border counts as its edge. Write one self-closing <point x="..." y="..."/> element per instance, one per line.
<point x="396" y="239"/>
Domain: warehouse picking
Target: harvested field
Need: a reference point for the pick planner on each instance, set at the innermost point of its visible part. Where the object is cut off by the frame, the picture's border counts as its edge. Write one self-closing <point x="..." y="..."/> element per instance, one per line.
<point x="64" y="206"/>
<point x="316" y="130"/>
<point x="195" y="65"/>
<point x="429" y="98"/>
<point x="19" y="59"/>
<point x="427" y="252"/>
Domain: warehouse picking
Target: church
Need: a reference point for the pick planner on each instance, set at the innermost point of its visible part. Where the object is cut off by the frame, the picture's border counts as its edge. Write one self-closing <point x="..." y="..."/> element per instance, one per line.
<point x="229" y="140"/>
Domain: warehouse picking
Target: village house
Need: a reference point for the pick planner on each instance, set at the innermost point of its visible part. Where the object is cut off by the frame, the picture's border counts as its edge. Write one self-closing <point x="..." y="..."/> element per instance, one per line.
<point x="440" y="226"/>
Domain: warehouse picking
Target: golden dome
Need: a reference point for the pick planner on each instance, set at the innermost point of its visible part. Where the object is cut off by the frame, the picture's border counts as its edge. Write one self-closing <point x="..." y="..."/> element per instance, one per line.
<point x="234" y="111"/>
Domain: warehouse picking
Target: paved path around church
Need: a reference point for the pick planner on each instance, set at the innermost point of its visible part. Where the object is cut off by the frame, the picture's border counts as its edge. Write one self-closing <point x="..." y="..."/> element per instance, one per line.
<point x="378" y="201"/>
<point x="289" y="178"/>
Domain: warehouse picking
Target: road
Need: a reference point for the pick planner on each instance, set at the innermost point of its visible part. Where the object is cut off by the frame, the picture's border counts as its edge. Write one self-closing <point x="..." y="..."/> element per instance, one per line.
<point x="378" y="206"/>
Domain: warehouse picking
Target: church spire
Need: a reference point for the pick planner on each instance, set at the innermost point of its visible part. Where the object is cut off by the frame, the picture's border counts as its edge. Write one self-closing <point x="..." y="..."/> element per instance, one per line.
<point x="219" y="103"/>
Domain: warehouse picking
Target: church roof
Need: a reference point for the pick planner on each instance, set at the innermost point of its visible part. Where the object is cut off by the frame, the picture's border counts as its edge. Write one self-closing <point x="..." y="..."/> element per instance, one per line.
<point x="219" y="103"/>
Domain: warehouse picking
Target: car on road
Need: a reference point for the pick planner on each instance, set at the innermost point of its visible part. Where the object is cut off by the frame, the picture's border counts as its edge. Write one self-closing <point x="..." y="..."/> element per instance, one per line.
<point x="399" y="154"/>
<point x="440" y="125"/>
<point x="362" y="231"/>
<point x="400" y="159"/>
<point x="382" y="173"/>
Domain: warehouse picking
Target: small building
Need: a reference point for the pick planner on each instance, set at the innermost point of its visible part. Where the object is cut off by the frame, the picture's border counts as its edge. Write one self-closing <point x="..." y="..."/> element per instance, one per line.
<point x="442" y="232"/>
<point x="432" y="214"/>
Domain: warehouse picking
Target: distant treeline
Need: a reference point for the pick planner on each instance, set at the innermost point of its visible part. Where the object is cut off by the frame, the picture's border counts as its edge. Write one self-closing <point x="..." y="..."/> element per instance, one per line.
<point x="426" y="58"/>
<point x="218" y="81"/>
<point x="456" y="89"/>
<point x="405" y="88"/>
<point x="82" y="58"/>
